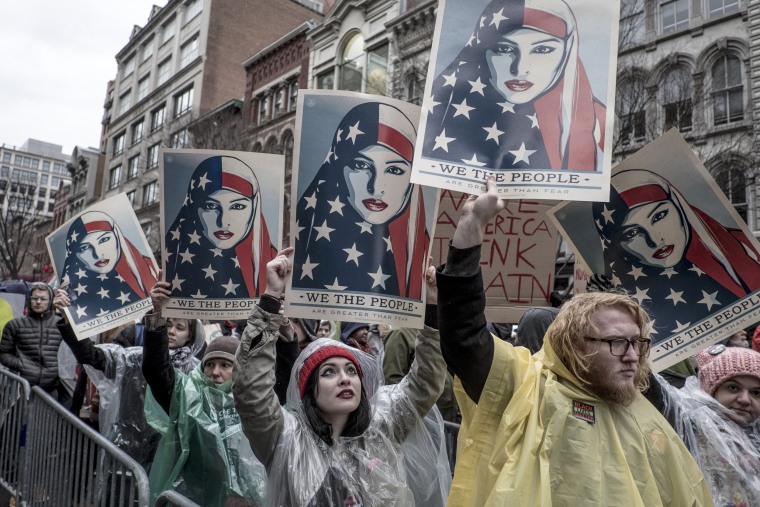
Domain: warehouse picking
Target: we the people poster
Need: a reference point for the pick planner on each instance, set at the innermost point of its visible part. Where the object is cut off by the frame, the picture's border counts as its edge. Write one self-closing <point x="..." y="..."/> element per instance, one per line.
<point x="361" y="230"/>
<point x="105" y="264"/>
<point x="517" y="258"/>
<point x="670" y="238"/>
<point x="523" y="90"/>
<point x="221" y="216"/>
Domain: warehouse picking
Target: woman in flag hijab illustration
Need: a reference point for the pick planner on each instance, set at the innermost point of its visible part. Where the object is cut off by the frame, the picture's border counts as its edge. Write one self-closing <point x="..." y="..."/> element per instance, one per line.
<point x="517" y="95"/>
<point x="361" y="223"/>
<point x="661" y="248"/>
<point x="103" y="269"/>
<point x="219" y="243"/>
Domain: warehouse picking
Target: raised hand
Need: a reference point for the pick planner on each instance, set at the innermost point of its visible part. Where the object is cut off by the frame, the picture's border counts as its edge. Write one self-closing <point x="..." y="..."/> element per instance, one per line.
<point x="431" y="287"/>
<point x="278" y="270"/>
<point x="160" y="293"/>
<point x="61" y="300"/>
<point x="477" y="212"/>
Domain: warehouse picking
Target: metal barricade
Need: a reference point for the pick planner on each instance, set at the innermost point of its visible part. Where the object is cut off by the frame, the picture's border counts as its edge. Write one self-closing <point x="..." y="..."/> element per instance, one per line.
<point x="69" y="463"/>
<point x="14" y="400"/>
<point x="452" y="432"/>
<point x="171" y="498"/>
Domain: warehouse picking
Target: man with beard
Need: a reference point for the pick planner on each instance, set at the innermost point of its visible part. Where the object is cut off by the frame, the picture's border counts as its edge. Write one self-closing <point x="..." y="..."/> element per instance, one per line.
<point x="567" y="425"/>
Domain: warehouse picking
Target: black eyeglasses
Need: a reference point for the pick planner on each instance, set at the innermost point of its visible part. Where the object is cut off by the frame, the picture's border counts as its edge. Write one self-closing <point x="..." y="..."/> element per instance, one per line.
<point x="619" y="346"/>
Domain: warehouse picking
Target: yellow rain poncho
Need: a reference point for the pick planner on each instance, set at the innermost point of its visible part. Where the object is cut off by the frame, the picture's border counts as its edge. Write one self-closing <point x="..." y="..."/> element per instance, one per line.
<point x="538" y="438"/>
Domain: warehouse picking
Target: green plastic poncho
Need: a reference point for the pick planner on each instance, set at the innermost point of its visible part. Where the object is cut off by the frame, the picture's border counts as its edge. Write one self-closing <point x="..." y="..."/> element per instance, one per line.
<point x="203" y="453"/>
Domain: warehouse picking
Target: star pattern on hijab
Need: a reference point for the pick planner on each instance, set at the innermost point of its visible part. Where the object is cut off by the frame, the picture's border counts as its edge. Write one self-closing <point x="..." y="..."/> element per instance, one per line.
<point x="328" y="207"/>
<point x="107" y="285"/>
<point x="676" y="293"/>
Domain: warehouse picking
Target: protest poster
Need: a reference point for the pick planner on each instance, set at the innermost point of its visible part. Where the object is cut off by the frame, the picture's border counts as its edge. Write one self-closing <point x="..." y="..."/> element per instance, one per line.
<point x="670" y="237"/>
<point x="105" y="264"/>
<point x="522" y="90"/>
<point x="361" y="229"/>
<point x="517" y="257"/>
<point x="221" y="216"/>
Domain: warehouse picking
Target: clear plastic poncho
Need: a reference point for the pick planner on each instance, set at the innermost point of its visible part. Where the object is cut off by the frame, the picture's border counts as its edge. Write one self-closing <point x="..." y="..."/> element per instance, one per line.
<point x="122" y="396"/>
<point x="374" y="468"/>
<point x="727" y="453"/>
<point x="203" y="453"/>
<point x="398" y="460"/>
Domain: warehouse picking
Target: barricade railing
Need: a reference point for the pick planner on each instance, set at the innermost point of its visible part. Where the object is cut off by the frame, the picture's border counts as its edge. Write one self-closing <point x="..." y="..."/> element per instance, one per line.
<point x="452" y="432"/>
<point x="15" y="393"/>
<point x="69" y="463"/>
<point x="171" y="498"/>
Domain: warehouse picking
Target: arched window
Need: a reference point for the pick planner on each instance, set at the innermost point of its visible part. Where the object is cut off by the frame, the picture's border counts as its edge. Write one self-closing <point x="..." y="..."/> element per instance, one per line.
<point x="287" y="146"/>
<point x="733" y="182"/>
<point x="630" y="108"/>
<point x="257" y="148"/>
<point x="727" y="90"/>
<point x="414" y="88"/>
<point x="352" y="64"/>
<point x="677" y="99"/>
<point x="271" y="146"/>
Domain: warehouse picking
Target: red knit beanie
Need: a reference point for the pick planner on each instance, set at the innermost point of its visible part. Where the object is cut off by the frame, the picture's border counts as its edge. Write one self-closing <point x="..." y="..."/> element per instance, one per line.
<point x="720" y="363"/>
<point x="318" y="357"/>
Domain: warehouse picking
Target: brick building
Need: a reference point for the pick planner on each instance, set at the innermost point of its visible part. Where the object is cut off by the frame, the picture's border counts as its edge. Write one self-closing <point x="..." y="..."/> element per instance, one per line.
<point x="184" y="63"/>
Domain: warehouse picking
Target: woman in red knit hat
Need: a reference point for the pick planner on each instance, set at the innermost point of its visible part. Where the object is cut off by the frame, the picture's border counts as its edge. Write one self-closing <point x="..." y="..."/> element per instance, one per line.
<point x="716" y="414"/>
<point x="342" y="438"/>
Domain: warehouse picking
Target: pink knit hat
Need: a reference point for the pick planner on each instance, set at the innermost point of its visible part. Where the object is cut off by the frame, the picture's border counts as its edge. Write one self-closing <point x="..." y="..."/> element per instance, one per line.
<point x="720" y="363"/>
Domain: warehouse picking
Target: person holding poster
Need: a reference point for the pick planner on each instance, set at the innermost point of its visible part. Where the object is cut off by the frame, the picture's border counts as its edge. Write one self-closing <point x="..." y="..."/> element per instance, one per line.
<point x="651" y="231"/>
<point x="363" y="192"/>
<point x="716" y="415"/>
<point x="343" y="438"/>
<point x="220" y="229"/>
<point x="517" y="95"/>
<point x="103" y="269"/>
<point x="565" y="425"/>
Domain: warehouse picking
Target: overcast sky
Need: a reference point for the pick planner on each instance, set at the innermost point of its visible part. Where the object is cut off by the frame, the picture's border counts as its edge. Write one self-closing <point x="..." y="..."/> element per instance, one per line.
<point x="57" y="57"/>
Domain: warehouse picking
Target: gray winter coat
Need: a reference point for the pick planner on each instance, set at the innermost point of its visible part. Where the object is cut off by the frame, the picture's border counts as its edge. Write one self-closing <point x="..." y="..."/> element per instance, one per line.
<point x="30" y="344"/>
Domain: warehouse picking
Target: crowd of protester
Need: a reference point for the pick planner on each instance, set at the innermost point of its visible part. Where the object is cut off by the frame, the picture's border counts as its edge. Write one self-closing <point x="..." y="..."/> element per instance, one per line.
<point x="286" y="411"/>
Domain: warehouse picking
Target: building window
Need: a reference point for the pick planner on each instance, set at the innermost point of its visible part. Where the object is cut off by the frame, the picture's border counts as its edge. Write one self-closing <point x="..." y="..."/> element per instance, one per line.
<point x="677" y="99"/>
<point x="51" y="205"/>
<point x="150" y="193"/>
<point x="147" y="50"/>
<point x="46" y="165"/>
<point x="326" y="80"/>
<point x="40" y="205"/>
<point x="5" y="171"/>
<point x="164" y="71"/>
<point x="114" y="177"/>
<point x="292" y="96"/>
<point x="153" y="156"/>
<point x="733" y="183"/>
<point x="188" y="52"/>
<point x="125" y="102"/>
<point x="118" y="144"/>
<point x="377" y="71"/>
<point x="59" y="168"/>
<point x="632" y="28"/>
<point x="183" y="102"/>
<point x="263" y="114"/>
<point x="180" y="139"/>
<point x="137" y="132"/>
<point x="143" y="86"/>
<point x="721" y="7"/>
<point x="133" y="167"/>
<point x="192" y="9"/>
<point x="168" y="32"/>
<point x="43" y="180"/>
<point x="674" y="15"/>
<point x="279" y="98"/>
<point x="351" y="64"/>
<point x="414" y="89"/>
<point x="131" y="197"/>
<point x="55" y="183"/>
<point x="630" y="108"/>
<point x="7" y="157"/>
<point x="157" y="117"/>
<point x="128" y="68"/>
<point x="42" y="192"/>
<point x="728" y="90"/>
